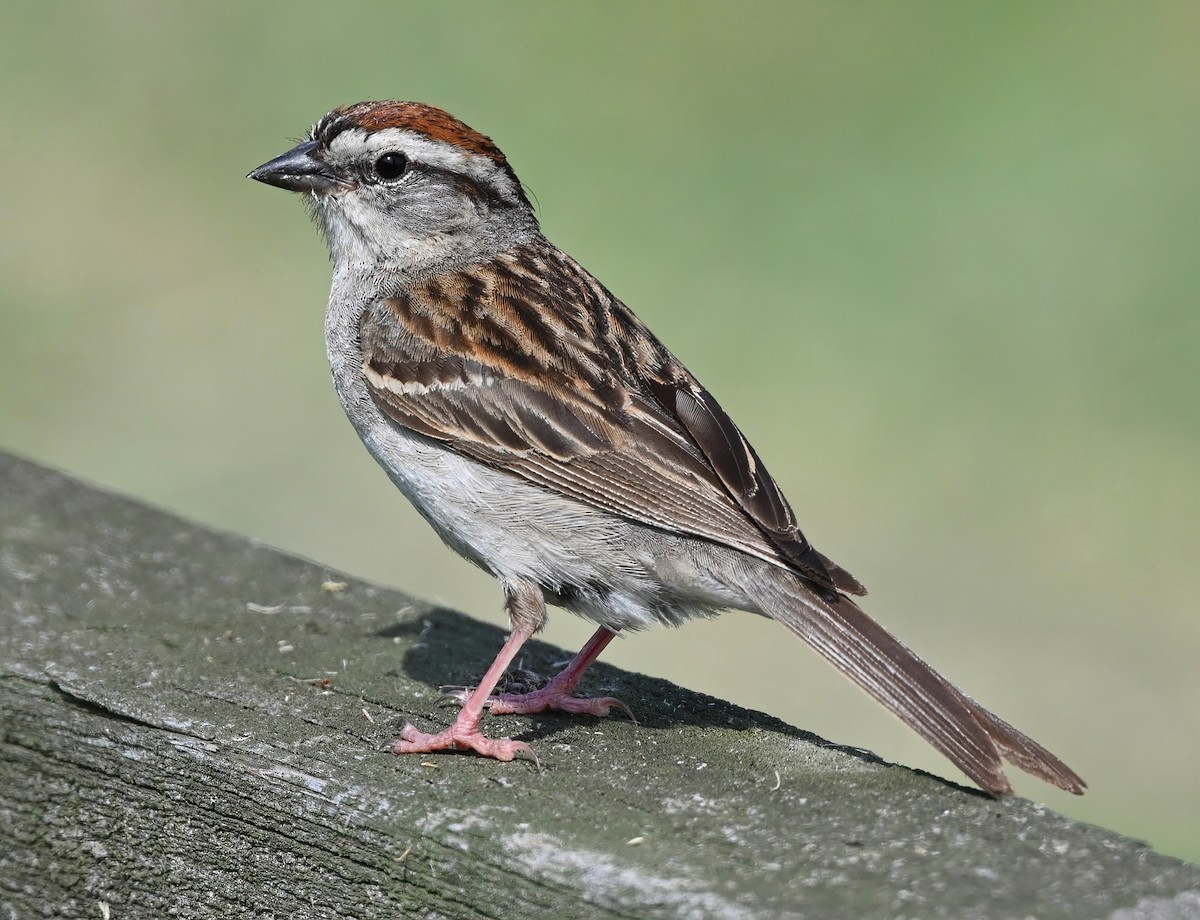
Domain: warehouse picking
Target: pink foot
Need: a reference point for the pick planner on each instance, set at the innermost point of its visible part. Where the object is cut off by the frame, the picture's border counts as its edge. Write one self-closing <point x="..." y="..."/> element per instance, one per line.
<point x="460" y="737"/>
<point x="551" y="697"/>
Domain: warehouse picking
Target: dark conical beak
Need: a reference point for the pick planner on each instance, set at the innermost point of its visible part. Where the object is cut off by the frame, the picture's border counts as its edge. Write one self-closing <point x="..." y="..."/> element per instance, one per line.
<point x="298" y="170"/>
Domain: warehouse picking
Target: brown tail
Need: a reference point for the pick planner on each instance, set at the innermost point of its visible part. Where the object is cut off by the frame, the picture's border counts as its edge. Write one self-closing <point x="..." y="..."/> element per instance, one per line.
<point x="947" y="718"/>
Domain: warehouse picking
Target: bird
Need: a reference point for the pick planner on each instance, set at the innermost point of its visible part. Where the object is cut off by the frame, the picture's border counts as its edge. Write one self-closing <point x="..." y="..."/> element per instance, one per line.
<point x="549" y="437"/>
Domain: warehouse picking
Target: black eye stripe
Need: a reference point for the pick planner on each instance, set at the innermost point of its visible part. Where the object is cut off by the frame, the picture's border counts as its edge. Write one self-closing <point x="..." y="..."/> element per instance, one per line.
<point x="391" y="165"/>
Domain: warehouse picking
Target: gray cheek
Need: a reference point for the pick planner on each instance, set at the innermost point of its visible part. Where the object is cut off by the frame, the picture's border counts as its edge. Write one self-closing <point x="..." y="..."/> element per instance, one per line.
<point x="427" y="211"/>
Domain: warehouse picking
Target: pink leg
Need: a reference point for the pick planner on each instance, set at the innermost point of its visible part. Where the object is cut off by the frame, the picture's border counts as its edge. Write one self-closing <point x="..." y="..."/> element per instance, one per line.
<point x="464" y="733"/>
<point x="557" y="693"/>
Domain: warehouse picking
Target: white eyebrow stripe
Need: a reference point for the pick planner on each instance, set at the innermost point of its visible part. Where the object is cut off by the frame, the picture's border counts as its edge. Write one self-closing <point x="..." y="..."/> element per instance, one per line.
<point x="438" y="154"/>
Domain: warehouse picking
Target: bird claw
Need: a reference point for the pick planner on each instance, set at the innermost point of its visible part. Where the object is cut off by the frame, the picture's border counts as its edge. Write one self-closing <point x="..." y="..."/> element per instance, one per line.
<point x="549" y="697"/>
<point x="461" y="737"/>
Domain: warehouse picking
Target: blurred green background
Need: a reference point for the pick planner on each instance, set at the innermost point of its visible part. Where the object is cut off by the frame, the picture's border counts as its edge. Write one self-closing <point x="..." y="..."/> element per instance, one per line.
<point x="938" y="259"/>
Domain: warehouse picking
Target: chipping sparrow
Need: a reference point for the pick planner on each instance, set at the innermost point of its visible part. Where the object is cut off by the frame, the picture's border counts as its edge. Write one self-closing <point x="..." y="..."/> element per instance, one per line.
<point x="551" y="439"/>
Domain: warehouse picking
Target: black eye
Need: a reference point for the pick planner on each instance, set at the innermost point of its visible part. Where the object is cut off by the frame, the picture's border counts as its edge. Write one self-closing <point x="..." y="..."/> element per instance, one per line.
<point x="391" y="166"/>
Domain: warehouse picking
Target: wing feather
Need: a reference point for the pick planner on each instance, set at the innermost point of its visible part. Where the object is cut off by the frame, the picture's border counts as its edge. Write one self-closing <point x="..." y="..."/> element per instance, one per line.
<point x="577" y="396"/>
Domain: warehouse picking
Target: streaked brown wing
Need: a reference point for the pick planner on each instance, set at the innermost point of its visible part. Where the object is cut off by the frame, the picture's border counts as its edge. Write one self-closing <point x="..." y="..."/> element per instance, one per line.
<point x="461" y="402"/>
<point x="589" y="453"/>
<point x="594" y="408"/>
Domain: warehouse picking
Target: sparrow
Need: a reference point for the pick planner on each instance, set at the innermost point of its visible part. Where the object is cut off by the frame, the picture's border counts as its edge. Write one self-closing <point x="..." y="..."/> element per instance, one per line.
<point x="550" y="438"/>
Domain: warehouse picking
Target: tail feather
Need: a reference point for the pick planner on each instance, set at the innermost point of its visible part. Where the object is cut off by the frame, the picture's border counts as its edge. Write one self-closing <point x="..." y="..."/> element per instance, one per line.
<point x="974" y="739"/>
